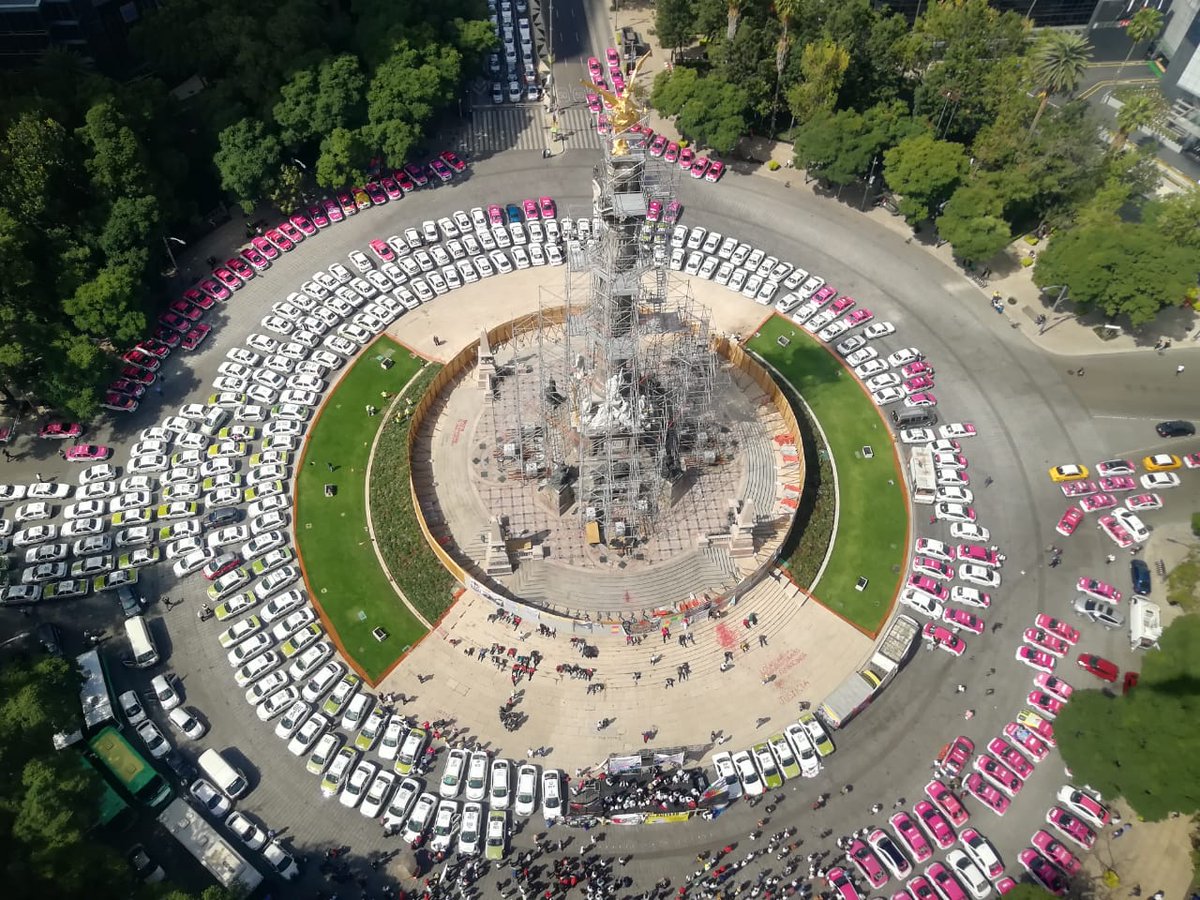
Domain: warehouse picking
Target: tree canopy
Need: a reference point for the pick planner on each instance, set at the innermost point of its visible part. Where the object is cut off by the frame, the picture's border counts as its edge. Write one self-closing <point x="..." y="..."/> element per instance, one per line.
<point x="1143" y="746"/>
<point x="925" y="172"/>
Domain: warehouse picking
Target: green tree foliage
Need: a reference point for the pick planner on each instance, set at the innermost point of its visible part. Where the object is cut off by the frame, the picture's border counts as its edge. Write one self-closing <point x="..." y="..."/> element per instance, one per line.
<point x="107" y="305"/>
<point x="1176" y="218"/>
<point x="675" y="23"/>
<point x="321" y="98"/>
<point x="344" y="158"/>
<point x="973" y="222"/>
<point x="1144" y="25"/>
<point x="413" y="84"/>
<point x="925" y="172"/>
<point x="708" y="110"/>
<point x="1120" y="268"/>
<point x="823" y="64"/>
<point x="1059" y="62"/>
<point x="115" y="165"/>
<point x="1143" y="746"/>
<point x="839" y="147"/>
<point x="1141" y="108"/>
<point x="248" y="160"/>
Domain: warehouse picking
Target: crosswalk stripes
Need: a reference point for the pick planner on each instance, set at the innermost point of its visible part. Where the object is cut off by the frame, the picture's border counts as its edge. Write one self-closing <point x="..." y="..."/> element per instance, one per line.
<point x="577" y="126"/>
<point x="507" y="128"/>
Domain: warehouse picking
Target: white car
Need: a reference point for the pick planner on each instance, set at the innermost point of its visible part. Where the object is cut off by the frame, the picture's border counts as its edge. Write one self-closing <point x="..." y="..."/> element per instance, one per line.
<point x="280" y="861"/>
<point x="934" y="548"/>
<point x="922" y="603"/>
<point x="525" y="801"/>
<point x="401" y="805"/>
<point x="881" y="381"/>
<point x="953" y="512"/>
<point x="443" y="826"/>
<point x="887" y="396"/>
<point x="968" y="874"/>
<point x="916" y="435"/>
<point x="905" y="356"/>
<point x="356" y="785"/>
<point x="748" y="773"/>
<point x="870" y="368"/>
<point x="969" y="531"/>
<point x="969" y="596"/>
<point x="876" y="330"/>
<point x="378" y="794"/>
<point x="153" y="739"/>
<point x="308" y="734"/>
<point x="186" y="723"/>
<point x="947" y="493"/>
<point x="246" y="831"/>
<point x="862" y="355"/>
<point x="980" y="575"/>
<point x="957" y="430"/>
<point x="470" y="829"/>
<point x="804" y="748"/>
<point x="500" y="789"/>
<point x="552" y="808"/>
<point x="477" y="776"/>
<point x="209" y="798"/>
<point x="452" y="773"/>
<point x="1153" y="481"/>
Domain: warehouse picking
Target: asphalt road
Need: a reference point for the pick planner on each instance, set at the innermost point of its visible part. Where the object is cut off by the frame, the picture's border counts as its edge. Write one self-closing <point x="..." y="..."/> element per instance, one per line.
<point x="1029" y="412"/>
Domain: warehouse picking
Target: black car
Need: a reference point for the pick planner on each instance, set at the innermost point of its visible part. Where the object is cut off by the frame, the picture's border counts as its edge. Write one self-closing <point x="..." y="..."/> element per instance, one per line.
<point x="1175" y="428"/>
<point x="1139" y="573"/>
<point x="219" y="518"/>
<point x="131" y="601"/>
<point x="181" y="767"/>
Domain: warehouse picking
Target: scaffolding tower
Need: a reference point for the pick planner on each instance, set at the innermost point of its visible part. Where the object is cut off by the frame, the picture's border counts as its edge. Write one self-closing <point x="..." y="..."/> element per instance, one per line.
<point x="628" y="412"/>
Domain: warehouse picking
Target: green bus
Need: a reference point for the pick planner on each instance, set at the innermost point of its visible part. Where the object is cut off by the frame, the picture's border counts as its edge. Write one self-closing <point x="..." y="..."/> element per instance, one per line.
<point x="111" y="810"/>
<point x="132" y="771"/>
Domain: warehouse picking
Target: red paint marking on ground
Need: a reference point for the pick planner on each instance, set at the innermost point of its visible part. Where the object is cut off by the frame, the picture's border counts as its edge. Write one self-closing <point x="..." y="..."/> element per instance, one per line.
<point x="459" y="427"/>
<point x="725" y="636"/>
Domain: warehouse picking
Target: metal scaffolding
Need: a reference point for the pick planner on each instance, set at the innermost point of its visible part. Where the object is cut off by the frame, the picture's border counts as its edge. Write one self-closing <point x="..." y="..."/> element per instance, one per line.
<point x="626" y="382"/>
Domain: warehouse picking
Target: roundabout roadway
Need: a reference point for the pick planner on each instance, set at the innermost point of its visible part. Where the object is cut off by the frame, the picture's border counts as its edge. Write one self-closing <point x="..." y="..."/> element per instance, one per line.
<point x="1029" y="413"/>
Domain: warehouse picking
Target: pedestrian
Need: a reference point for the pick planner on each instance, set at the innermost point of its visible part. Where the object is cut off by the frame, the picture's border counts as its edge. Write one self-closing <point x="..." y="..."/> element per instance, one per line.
<point x="1110" y="559"/>
<point x="960" y="688"/>
<point x="762" y="640"/>
<point x="670" y="683"/>
<point x="1179" y="370"/>
<point x="933" y="520"/>
<point x="330" y="466"/>
<point x="987" y="482"/>
<point x="39" y="475"/>
<point x="529" y="753"/>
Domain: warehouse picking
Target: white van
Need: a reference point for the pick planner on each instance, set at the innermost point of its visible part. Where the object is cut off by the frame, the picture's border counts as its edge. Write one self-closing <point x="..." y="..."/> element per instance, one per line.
<point x="141" y="641"/>
<point x="229" y="781"/>
<point x="214" y="420"/>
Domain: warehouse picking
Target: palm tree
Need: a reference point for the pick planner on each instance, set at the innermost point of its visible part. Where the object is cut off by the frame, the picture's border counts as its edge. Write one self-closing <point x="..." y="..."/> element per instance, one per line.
<point x="1144" y="25"/>
<point x="785" y="11"/>
<point x="1141" y="108"/>
<point x="733" y="17"/>
<point x="1059" y="62"/>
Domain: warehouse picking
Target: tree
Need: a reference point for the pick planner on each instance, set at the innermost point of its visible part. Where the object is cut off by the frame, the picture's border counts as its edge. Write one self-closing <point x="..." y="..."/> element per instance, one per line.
<point x="708" y="110"/>
<point x="973" y="222"/>
<point x="673" y="89"/>
<point x="413" y="84"/>
<point x="1120" y="268"/>
<point x="1059" y="62"/>
<point x="675" y="23"/>
<point x="1176" y="218"/>
<point x="1028" y="892"/>
<point x="1142" y="746"/>
<point x="344" y="158"/>
<point x="839" y="147"/>
<point x="925" y="172"/>
<point x="287" y="191"/>
<point x="116" y="166"/>
<point x="1144" y="25"/>
<point x="247" y="160"/>
<point x="321" y="98"/>
<point x="107" y="306"/>
<point x="1140" y="108"/>
<point x="785" y="11"/>
<point x="823" y="64"/>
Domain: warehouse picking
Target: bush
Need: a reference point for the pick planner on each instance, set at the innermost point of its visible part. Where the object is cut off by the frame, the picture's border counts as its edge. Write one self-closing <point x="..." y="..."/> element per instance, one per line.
<point x="773" y="166"/>
<point x="1196" y="524"/>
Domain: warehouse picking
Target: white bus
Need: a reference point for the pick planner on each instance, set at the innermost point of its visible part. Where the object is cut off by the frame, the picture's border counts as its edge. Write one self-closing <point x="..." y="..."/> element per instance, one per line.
<point x="922" y="477"/>
<point x="94" y="696"/>
<point x="200" y="839"/>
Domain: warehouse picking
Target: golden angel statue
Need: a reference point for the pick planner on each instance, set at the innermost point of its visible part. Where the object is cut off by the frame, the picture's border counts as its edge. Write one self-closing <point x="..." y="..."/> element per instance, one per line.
<point x="625" y="108"/>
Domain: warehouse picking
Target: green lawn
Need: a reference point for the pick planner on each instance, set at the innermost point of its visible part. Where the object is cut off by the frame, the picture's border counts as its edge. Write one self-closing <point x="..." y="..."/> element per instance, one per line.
<point x="871" y="531"/>
<point x="342" y="569"/>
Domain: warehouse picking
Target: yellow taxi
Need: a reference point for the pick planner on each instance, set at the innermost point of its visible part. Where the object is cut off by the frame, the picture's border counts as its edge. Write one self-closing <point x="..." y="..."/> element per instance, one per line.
<point x="1069" y="472"/>
<point x="1161" y="462"/>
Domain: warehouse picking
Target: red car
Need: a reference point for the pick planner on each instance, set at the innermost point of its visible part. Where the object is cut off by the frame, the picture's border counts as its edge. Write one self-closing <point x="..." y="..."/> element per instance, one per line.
<point x="175" y="321"/>
<point x="60" y="431"/>
<point x="377" y="194"/>
<point x="911" y="836"/>
<point x="943" y="639"/>
<point x="953" y="757"/>
<point x="1011" y="757"/>
<point x="185" y="309"/>
<point x="1042" y="872"/>
<point x="495" y="215"/>
<point x="334" y="210"/>
<point x="290" y="231"/>
<point x="947" y="802"/>
<point x="1079" y="488"/>
<point x="240" y="268"/>
<point x="119" y="402"/>
<point x="302" y="222"/>
<point x="1058" y="627"/>
<point x="1056" y="852"/>
<point x="128" y="388"/>
<point x="1045" y="704"/>
<point x="699" y="167"/>
<point x="404" y="180"/>
<point x="142" y="360"/>
<point x="134" y="373"/>
<point x="1028" y="742"/>
<point x="265" y="247"/>
<point x="151" y="347"/>
<point x="276" y="237"/>
<point x="935" y="824"/>
<point x="1098" y="666"/>
<point x="841" y="883"/>
<point x="214" y="289"/>
<point x="196" y="336"/>
<point x="672" y="153"/>
<point x="687" y="156"/>
<point x="417" y="174"/>
<point x="1044" y="640"/>
<point x="987" y="794"/>
<point x="546" y="205"/>
<point x="927" y="585"/>
<point x="256" y="259"/>
<point x="530" y="208"/>
<point x="1055" y="686"/>
<point x="450" y="158"/>
<point x="946" y="884"/>
<point x="347" y="204"/>
<point x="654" y="211"/>
<point x="227" y="278"/>
<point x="199" y="298"/>
<point x="441" y="170"/>
<point x="382" y="250"/>
<point x="1118" y="483"/>
<point x="87" y="453"/>
<point x="320" y="214"/>
<point x="867" y="863"/>
<point x="998" y="774"/>
<point x="960" y="618"/>
<point x="390" y="187"/>
<point x="224" y="563"/>
<point x="1070" y="521"/>
<point x="918" y="889"/>
<point x="166" y="336"/>
<point x="716" y="169"/>
<point x="658" y="146"/>
<point x="1072" y="827"/>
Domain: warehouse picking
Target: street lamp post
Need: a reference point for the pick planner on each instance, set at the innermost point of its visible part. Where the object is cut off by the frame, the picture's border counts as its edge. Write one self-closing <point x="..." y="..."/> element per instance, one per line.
<point x="167" y="241"/>
<point x="870" y="181"/>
